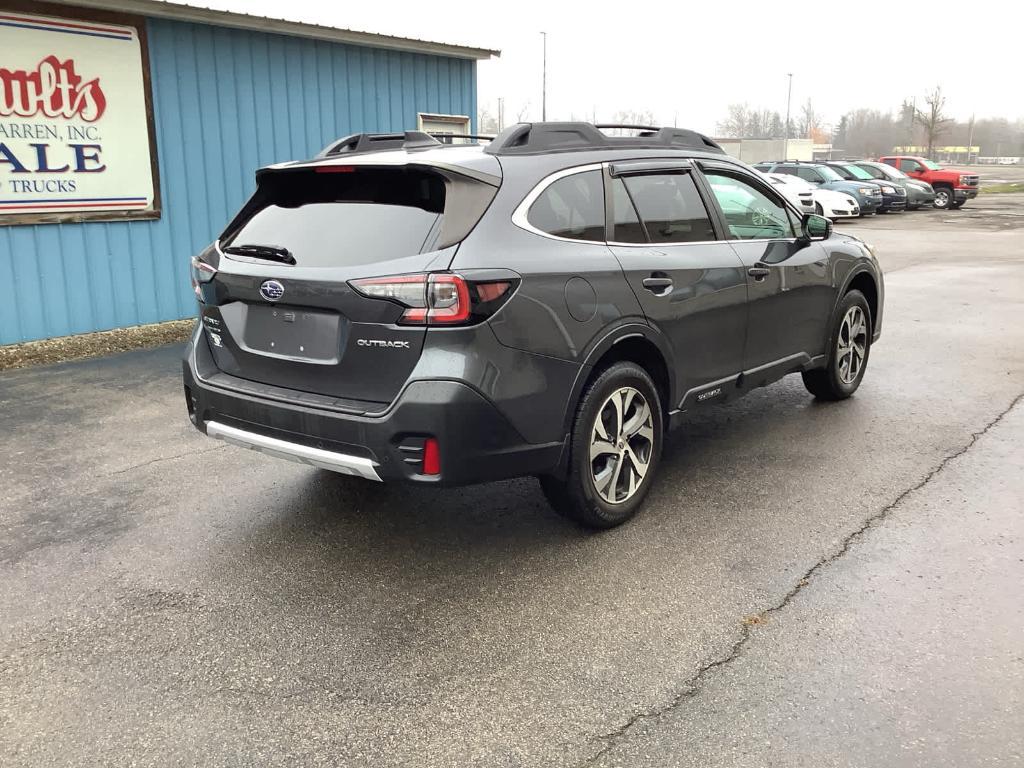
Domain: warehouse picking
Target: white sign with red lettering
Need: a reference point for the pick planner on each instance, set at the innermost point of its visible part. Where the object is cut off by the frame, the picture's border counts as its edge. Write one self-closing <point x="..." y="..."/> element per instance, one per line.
<point x="74" y="133"/>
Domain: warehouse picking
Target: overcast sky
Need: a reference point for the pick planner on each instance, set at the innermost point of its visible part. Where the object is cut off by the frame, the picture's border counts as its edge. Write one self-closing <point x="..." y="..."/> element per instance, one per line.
<point x="687" y="61"/>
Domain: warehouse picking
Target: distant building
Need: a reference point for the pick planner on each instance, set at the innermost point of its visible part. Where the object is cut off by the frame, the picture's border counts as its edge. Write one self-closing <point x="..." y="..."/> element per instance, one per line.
<point x="761" y="150"/>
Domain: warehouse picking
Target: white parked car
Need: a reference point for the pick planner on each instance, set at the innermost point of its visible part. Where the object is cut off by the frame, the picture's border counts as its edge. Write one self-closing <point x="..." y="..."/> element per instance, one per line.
<point x="801" y="195"/>
<point x="812" y="199"/>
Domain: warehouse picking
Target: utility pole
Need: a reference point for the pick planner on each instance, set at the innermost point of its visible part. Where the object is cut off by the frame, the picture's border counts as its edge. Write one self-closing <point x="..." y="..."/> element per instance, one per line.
<point x="970" y="139"/>
<point x="501" y="114"/>
<point x="544" y="80"/>
<point x="789" y="95"/>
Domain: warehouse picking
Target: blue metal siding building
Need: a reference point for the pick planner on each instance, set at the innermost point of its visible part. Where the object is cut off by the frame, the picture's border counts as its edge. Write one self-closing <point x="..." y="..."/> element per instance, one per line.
<point x="226" y="101"/>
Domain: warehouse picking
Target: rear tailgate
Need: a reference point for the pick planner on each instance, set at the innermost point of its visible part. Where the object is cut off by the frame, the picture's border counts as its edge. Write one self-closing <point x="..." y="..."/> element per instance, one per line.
<point x="288" y="317"/>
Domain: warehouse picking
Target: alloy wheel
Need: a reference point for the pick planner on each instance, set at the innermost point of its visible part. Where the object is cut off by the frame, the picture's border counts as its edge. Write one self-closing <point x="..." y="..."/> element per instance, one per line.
<point x="621" y="445"/>
<point x="852" y="345"/>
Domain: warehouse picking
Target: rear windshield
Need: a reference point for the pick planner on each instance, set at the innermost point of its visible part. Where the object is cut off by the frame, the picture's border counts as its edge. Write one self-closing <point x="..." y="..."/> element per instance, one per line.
<point x="345" y="217"/>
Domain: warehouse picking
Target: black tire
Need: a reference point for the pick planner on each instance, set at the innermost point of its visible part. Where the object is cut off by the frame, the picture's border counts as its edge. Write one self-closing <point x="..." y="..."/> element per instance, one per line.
<point x="944" y="198"/>
<point x="577" y="496"/>
<point x="830" y="382"/>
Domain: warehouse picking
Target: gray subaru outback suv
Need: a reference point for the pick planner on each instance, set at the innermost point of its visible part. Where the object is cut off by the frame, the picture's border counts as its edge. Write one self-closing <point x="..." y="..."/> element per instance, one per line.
<point x="546" y="304"/>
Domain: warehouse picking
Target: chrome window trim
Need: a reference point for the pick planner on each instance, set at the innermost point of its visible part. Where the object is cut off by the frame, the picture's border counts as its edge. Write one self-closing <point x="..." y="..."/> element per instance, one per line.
<point x="519" y="215"/>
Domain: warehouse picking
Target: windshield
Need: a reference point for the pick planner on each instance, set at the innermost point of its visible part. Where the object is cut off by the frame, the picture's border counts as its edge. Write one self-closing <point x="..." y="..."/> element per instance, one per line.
<point x="934" y="166"/>
<point x="891" y="172"/>
<point x="858" y="172"/>
<point x="830" y="174"/>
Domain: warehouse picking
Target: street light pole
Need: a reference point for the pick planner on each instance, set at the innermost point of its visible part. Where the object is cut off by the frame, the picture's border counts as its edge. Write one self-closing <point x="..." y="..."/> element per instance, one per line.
<point x="544" y="80"/>
<point x="789" y="94"/>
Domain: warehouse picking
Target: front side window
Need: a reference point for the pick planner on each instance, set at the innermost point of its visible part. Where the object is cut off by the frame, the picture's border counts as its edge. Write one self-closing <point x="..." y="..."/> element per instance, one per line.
<point x="749" y="213"/>
<point x="670" y="208"/>
<point x="571" y="207"/>
<point x="809" y="174"/>
<point x="910" y="166"/>
<point x="829" y="173"/>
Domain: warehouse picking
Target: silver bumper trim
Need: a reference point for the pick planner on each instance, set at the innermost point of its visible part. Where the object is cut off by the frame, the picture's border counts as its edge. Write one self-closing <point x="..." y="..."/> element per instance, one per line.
<point x="304" y="454"/>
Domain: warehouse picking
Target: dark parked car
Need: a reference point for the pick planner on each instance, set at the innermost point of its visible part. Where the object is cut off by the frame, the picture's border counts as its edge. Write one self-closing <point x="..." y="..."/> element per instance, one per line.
<point x="867" y="194"/>
<point x="547" y="305"/>
<point x="919" y="193"/>
<point x="894" y="197"/>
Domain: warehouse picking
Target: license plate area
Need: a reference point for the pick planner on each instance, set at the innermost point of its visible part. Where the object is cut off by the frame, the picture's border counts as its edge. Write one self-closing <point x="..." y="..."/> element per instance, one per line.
<point x="293" y="333"/>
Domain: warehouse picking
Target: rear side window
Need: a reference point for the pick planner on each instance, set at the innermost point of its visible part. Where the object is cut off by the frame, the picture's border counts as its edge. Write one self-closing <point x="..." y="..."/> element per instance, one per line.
<point x="356" y="216"/>
<point x="670" y="208"/>
<point x="626" y="226"/>
<point x="571" y="207"/>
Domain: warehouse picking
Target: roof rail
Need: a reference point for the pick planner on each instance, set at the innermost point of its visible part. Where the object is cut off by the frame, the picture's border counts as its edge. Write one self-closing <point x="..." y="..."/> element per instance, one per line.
<point x="533" y="138"/>
<point x="445" y="138"/>
<point x="373" y="142"/>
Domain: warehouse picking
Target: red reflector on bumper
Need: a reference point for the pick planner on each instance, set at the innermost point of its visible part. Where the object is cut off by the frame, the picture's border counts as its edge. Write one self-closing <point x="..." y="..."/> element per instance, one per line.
<point x="431" y="457"/>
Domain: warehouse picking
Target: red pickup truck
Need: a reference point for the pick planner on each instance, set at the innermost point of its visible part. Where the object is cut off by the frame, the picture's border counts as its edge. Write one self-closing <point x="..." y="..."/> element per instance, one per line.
<point x="952" y="188"/>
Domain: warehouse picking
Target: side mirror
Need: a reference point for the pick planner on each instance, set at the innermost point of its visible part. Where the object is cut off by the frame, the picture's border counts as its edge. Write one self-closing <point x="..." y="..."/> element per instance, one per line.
<point x="815" y="227"/>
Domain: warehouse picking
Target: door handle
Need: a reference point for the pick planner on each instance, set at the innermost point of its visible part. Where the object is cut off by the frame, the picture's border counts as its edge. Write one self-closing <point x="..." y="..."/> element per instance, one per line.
<point x="658" y="285"/>
<point x="758" y="272"/>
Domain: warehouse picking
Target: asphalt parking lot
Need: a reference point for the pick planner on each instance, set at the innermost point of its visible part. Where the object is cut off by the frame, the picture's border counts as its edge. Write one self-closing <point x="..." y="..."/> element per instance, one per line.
<point x="809" y="584"/>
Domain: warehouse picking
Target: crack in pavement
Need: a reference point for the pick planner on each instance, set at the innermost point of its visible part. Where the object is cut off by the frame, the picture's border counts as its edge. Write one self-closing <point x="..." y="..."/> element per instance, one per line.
<point x="691" y="687"/>
<point x="162" y="458"/>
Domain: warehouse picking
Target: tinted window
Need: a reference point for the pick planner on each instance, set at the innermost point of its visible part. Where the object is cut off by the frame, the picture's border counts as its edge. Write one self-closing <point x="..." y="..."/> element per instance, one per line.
<point x="909" y="166"/>
<point x="670" y="207"/>
<point x="808" y="174"/>
<point x="843" y="172"/>
<point x="344" y="219"/>
<point x="876" y="173"/>
<point x="857" y="172"/>
<point x="749" y="212"/>
<point x="626" y="227"/>
<point x="571" y="207"/>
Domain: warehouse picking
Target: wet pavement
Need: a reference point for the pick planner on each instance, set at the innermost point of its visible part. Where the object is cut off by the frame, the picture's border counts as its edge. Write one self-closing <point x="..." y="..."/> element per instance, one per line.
<point x="808" y="584"/>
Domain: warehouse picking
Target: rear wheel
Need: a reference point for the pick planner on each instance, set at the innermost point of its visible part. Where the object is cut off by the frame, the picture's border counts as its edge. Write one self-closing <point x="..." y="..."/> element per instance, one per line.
<point x="849" y="347"/>
<point x="943" y="197"/>
<point x="614" y="450"/>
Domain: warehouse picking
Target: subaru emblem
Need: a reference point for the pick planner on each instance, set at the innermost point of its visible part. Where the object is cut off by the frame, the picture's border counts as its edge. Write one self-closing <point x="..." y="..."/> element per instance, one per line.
<point x="271" y="290"/>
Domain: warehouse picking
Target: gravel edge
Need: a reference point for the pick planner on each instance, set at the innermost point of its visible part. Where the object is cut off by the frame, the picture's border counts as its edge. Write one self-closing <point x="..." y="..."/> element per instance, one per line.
<point x="86" y="345"/>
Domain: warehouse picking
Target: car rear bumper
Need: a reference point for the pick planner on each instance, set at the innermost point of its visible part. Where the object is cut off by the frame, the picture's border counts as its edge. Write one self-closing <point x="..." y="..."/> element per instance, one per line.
<point x="477" y="443"/>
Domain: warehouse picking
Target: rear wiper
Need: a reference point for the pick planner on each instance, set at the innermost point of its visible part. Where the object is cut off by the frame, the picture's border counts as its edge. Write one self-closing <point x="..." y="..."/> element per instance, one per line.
<point x="269" y="252"/>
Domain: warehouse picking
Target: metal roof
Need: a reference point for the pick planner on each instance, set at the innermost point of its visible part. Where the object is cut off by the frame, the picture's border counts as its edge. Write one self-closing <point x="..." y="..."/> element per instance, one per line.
<point x="172" y="9"/>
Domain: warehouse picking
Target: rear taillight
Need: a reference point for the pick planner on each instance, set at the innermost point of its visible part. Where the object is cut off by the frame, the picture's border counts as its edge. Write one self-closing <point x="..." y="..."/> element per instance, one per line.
<point x="439" y="298"/>
<point x="201" y="273"/>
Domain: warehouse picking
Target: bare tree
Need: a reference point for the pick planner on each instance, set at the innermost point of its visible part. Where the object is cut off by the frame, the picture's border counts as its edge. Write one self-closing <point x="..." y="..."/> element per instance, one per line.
<point x="933" y="121"/>
<point x="486" y="122"/>
<point x="809" y="123"/>
<point x="523" y="112"/>
<point x="743" y="122"/>
<point x="633" y="117"/>
<point x="735" y="123"/>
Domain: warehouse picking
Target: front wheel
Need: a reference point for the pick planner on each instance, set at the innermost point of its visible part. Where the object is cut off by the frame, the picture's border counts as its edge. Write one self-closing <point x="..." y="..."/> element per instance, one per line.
<point x="849" y="347"/>
<point x="614" y="449"/>
<point x="943" y="198"/>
